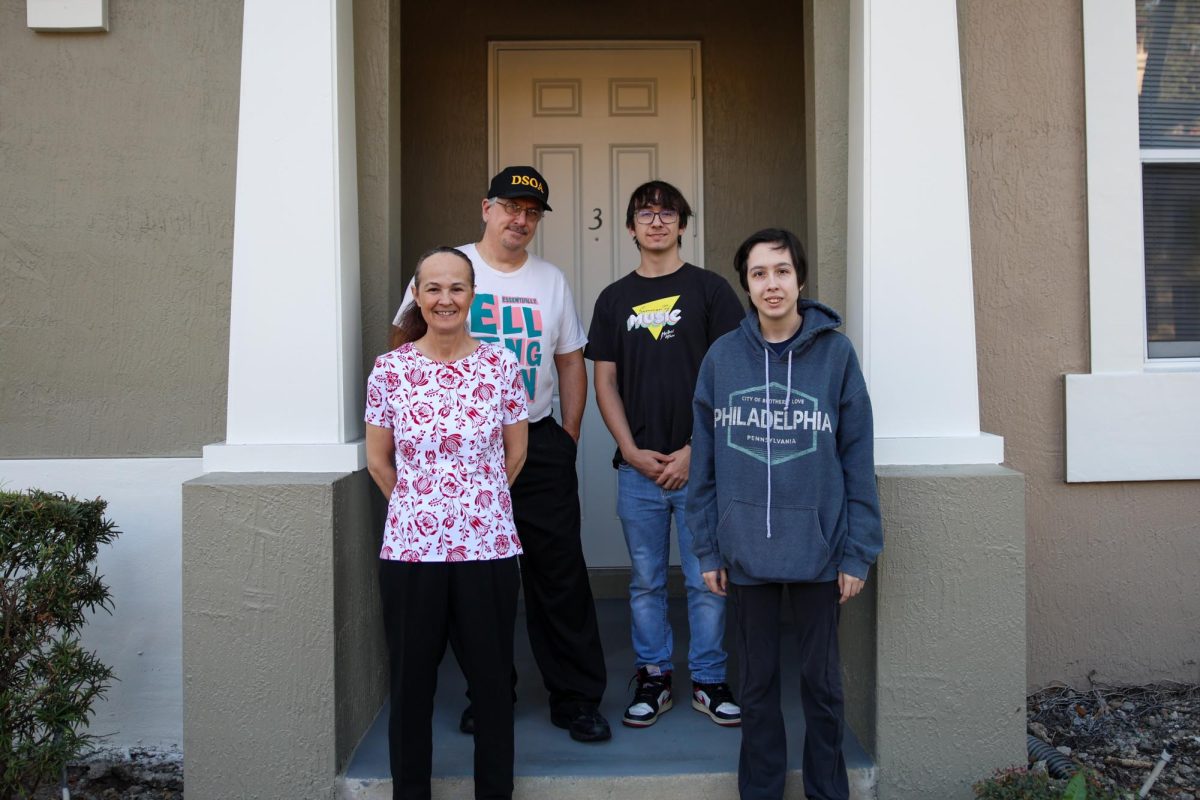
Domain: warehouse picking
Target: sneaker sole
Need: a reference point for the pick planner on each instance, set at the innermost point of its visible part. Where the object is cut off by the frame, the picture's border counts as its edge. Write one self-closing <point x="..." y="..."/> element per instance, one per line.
<point x="724" y="723"/>
<point x="646" y="723"/>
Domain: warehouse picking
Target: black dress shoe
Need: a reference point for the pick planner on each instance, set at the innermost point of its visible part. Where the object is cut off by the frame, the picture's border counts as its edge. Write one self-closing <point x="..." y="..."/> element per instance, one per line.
<point x="584" y="723"/>
<point x="466" y="723"/>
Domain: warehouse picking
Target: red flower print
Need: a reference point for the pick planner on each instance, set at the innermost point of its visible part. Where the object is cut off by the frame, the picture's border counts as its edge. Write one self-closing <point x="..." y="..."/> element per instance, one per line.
<point x="426" y="523"/>
<point x="477" y="525"/>
<point x="506" y="503"/>
<point x="408" y="450"/>
<point x="423" y="484"/>
<point x="422" y="413"/>
<point x="402" y="487"/>
<point x="379" y="362"/>
<point x="374" y="397"/>
<point x="416" y="376"/>
<point x="473" y="416"/>
<point x="501" y="545"/>
<point x="484" y="498"/>
<point x="448" y="378"/>
<point x="410" y="555"/>
<point x="451" y="488"/>
<point x="483" y="391"/>
<point x="516" y="540"/>
<point x="391" y="380"/>
<point x="386" y="553"/>
<point x="458" y="553"/>
<point x="451" y="444"/>
<point x="489" y="356"/>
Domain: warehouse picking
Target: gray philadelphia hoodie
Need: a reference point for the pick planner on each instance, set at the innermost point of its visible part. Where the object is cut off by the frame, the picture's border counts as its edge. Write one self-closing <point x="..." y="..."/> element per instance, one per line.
<point x="782" y="478"/>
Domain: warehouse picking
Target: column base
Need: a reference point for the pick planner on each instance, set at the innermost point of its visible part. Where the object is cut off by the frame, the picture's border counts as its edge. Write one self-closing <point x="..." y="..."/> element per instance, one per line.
<point x="345" y="457"/>
<point x="283" y="660"/>
<point x="934" y="651"/>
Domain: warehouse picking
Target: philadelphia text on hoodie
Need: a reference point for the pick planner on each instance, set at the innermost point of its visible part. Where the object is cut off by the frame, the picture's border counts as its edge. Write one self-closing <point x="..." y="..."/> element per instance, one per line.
<point x="782" y="478"/>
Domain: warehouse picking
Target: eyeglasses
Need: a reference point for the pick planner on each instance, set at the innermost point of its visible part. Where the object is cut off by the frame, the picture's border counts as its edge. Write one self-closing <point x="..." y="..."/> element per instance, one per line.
<point x="515" y="209"/>
<point x="645" y="216"/>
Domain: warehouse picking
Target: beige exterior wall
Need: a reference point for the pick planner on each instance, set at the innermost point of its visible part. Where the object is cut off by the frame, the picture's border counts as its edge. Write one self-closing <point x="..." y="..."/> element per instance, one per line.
<point x="1111" y="567"/>
<point x="377" y="116"/>
<point x="753" y="67"/>
<point x="117" y="152"/>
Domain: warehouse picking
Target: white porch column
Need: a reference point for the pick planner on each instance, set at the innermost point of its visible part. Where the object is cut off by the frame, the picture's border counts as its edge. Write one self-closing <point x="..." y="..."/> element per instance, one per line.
<point x="910" y="307"/>
<point x="295" y="389"/>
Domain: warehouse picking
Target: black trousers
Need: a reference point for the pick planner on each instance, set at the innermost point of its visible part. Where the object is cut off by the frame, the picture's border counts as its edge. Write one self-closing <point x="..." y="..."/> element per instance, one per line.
<point x="422" y="604"/>
<point x="762" y="766"/>
<point x="560" y="611"/>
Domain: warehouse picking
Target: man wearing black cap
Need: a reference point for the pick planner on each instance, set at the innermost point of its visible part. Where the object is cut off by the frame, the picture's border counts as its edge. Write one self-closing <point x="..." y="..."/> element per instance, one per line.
<point x="524" y="302"/>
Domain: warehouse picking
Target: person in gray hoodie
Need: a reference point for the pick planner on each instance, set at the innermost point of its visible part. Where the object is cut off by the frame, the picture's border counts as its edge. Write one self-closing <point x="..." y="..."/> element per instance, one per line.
<point x="782" y="493"/>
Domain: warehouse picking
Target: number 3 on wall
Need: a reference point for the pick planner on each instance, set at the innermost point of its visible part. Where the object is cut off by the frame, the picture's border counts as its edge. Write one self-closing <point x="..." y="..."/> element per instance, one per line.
<point x="597" y="219"/>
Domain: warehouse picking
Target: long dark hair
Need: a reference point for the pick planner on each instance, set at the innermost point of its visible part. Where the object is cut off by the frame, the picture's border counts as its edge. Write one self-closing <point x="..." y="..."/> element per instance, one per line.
<point x="412" y="324"/>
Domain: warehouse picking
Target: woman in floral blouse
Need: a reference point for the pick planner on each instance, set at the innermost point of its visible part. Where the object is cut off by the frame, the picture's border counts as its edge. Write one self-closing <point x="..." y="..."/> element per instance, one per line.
<point x="446" y="436"/>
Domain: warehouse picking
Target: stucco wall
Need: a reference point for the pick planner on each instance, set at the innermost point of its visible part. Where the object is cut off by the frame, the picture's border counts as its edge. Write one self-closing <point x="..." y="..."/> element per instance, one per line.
<point x="117" y="152"/>
<point x="377" y="117"/>
<point x="284" y="664"/>
<point x="1111" y="567"/>
<point x="753" y="68"/>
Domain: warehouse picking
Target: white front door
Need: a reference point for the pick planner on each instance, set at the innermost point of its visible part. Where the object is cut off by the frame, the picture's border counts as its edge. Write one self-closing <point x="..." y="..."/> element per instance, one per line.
<point x="597" y="119"/>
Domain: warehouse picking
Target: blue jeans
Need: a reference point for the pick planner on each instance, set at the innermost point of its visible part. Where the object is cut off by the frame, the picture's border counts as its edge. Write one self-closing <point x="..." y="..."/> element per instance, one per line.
<point x="645" y="510"/>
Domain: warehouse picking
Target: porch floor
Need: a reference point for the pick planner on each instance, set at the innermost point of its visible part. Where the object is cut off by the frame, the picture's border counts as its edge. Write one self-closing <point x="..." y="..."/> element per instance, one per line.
<point x="682" y="743"/>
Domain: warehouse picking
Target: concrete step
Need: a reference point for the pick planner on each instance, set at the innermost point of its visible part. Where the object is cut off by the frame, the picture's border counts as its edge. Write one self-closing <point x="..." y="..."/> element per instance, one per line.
<point x="710" y="786"/>
<point x="683" y="755"/>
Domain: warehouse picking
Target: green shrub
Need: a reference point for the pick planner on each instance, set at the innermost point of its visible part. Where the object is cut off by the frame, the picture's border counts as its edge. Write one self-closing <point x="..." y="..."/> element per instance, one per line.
<point x="48" y="682"/>
<point x="1021" y="783"/>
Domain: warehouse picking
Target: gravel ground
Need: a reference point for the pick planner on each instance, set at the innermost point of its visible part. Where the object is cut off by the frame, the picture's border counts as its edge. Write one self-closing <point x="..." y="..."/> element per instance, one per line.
<point x="113" y="775"/>
<point x="1117" y="732"/>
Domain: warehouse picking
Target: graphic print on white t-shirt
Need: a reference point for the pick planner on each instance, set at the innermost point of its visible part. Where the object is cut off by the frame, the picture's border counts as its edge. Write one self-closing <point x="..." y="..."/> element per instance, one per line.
<point x="516" y="323"/>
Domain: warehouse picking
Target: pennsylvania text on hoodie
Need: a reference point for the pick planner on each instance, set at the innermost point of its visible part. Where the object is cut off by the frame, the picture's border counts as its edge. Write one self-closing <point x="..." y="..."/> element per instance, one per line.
<point x="782" y="478"/>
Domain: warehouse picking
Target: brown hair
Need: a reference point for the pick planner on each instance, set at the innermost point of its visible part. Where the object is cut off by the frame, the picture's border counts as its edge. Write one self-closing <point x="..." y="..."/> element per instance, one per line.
<point x="412" y="324"/>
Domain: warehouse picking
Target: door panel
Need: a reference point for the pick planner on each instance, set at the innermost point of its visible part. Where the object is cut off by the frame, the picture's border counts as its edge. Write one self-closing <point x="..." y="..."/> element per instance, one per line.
<point x="597" y="119"/>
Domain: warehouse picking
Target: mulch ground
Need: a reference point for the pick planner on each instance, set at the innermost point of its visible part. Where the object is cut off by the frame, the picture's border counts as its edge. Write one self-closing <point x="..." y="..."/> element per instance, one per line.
<point x="1120" y="732"/>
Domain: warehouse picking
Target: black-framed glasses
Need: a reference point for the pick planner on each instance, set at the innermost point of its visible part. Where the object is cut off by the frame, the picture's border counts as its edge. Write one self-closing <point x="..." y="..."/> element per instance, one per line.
<point x="645" y="216"/>
<point x="515" y="209"/>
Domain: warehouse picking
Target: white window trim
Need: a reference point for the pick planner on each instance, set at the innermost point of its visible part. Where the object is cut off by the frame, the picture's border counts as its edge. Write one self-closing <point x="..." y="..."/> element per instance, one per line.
<point x="1129" y="419"/>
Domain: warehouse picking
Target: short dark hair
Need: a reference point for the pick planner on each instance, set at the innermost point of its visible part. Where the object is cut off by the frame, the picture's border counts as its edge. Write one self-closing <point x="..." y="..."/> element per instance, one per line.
<point x="658" y="193"/>
<point x="778" y="239"/>
<point x="412" y="325"/>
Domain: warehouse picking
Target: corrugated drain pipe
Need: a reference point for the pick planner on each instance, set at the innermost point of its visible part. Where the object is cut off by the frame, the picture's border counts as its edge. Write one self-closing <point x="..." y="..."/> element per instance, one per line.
<point x="1058" y="765"/>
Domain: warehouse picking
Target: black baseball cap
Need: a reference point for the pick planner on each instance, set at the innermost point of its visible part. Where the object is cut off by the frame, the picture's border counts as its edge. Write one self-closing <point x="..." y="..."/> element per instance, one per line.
<point x="521" y="182"/>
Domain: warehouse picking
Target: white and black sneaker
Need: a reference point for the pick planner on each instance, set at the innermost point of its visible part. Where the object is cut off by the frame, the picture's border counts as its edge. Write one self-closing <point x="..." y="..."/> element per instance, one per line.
<point x="716" y="700"/>
<point x="651" y="698"/>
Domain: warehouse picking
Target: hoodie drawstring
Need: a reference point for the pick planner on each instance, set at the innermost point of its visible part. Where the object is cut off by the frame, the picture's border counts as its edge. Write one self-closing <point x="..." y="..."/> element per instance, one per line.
<point x="787" y="404"/>
<point x="767" y="386"/>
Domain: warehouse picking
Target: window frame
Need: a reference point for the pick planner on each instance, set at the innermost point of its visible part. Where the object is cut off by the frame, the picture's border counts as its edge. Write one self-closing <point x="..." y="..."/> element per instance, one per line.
<point x="1131" y="418"/>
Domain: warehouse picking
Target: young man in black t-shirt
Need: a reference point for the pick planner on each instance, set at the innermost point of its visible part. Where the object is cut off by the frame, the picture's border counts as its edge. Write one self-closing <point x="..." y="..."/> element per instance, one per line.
<point x="649" y="333"/>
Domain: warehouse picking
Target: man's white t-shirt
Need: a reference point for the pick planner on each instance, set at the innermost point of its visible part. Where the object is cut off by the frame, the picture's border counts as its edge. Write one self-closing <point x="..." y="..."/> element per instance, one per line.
<point x="531" y="312"/>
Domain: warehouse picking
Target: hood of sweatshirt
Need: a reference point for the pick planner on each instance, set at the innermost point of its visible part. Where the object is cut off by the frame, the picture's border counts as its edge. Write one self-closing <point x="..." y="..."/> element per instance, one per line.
<point x="818" y="318"/>
<point x="782" y="484"/>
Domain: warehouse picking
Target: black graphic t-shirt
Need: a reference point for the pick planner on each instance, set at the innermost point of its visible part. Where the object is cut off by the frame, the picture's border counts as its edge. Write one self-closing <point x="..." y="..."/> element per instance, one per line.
<point x="656" y="331"/>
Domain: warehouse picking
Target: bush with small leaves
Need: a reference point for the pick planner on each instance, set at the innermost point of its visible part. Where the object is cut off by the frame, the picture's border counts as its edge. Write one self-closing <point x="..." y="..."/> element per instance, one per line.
<point x="48" y="585"/>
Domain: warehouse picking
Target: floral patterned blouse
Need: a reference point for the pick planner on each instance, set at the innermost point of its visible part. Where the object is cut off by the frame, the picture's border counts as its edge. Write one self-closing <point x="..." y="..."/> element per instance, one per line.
<point x="451" y="501"/>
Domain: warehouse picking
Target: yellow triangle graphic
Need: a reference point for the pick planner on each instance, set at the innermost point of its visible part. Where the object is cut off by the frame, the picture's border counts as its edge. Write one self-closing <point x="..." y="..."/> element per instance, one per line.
<point x="664" y="305"/>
